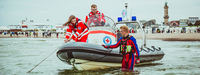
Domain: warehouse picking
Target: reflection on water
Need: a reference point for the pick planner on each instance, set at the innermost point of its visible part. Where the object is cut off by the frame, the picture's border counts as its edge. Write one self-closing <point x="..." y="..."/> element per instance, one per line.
<point x="149" y="64"/>
<point x="116" y="71"/>
<point x="19" y="55"/>
<point x="191" y="46"/>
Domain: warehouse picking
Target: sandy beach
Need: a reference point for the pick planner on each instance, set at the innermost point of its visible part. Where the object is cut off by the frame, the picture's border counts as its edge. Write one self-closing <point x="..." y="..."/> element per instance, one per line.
<point x="171" y="36"/>
<point x="32" y="36"/>
<point x="160" y="36"/>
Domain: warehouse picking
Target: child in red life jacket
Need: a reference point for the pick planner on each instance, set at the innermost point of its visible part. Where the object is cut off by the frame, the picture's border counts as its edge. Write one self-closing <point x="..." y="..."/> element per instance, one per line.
<point x="128" y="47"/>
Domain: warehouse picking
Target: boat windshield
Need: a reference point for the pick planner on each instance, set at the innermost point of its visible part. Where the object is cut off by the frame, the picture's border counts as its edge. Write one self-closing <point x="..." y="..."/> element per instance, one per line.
<point x="100" y="21"/>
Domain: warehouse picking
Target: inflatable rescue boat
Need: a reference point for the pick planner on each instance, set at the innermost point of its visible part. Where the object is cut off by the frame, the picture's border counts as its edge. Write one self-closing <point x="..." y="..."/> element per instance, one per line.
<point x="92" y="51"/>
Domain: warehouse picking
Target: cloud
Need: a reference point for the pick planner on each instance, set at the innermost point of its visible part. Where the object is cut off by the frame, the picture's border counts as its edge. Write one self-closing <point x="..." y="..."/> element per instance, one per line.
<point x="16" y="13"/>
<point x="39" y="10"/>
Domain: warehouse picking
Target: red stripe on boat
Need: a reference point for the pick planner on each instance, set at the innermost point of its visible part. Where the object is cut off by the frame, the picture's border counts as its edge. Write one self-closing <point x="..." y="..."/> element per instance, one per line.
<point x="101" y="31"/>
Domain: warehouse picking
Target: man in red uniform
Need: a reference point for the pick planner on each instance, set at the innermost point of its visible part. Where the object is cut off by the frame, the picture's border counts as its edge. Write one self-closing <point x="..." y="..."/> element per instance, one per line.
<point x="95" y="17"/>
<point x="79" y="28"/>
<point x="128" y="47"/>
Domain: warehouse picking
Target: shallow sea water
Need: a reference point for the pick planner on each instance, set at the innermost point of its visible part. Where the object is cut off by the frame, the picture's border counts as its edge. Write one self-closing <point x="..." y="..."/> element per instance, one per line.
<point x="19" y="55"/>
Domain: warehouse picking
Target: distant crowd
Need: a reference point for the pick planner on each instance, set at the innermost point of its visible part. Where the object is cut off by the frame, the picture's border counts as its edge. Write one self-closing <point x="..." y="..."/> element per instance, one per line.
<point x="28" y="34"/>
<point x="155" y="30"/>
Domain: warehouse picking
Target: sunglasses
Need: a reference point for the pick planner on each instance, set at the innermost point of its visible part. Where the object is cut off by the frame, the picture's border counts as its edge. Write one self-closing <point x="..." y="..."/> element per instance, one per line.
<point x="94" y="9"/>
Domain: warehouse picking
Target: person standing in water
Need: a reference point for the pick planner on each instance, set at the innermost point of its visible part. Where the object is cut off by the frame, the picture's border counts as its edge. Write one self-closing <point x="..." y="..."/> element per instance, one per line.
<point x="80" y="30"/>
<point x="128" y="48"/>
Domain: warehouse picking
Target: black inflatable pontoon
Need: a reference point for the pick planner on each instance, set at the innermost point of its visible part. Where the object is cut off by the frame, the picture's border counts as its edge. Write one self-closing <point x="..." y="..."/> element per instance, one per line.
<point x="94" y="52"/>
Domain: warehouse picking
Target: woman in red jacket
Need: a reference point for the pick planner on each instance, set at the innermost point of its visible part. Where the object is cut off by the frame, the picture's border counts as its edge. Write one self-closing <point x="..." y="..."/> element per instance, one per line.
<point x="79" y="28"/>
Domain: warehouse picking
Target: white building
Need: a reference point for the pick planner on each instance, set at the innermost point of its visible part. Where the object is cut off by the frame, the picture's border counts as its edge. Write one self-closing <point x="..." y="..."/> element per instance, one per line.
<point x="183" y="22"/>
<point x="61" y="29"/>
<point x="14" y="26"/>
<point x="4" y="29"/>
<point x="193" y="19"/>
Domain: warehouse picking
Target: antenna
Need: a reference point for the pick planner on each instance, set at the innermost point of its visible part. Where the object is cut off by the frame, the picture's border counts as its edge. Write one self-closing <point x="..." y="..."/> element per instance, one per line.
<point x="126" y="5"/>
<point x="26" y="18"/>
<point x="130" y="14"/>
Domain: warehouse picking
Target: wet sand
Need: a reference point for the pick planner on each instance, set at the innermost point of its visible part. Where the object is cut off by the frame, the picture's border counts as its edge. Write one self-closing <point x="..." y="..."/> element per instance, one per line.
<point x="160" y="36"/>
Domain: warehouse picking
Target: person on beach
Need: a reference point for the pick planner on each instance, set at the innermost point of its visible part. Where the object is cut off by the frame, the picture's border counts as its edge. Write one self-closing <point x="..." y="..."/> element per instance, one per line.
<point x="10" y="34"/>
<point x="49" y="34"/>
<point x="43" y="34"/>
<point x="57" y="35"/>
<point x="95" y="16"/>
<point x="26" y="34"/>
<point x="34" y="34"/>
<point x="4" y="33"/>
<point x="16" y="33"/>
<point x="80" y="30"/>
<point x="128" y="48"/>
<point x="30" y="34"/>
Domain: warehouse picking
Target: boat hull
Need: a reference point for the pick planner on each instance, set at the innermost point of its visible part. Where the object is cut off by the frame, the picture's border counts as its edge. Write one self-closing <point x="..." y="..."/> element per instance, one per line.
<point x="94" y="52"/>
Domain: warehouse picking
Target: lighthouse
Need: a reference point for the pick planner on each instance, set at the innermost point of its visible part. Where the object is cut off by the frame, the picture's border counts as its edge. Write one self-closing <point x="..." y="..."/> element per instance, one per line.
<point x="166" y="17"/>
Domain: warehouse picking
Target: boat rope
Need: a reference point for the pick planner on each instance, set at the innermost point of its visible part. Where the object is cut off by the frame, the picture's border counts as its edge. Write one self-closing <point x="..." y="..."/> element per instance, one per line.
<point x="42" y="60"/>
<point x="106" y="54"/>
<point x="145" y="50"/>
<point x="156" y="49"/>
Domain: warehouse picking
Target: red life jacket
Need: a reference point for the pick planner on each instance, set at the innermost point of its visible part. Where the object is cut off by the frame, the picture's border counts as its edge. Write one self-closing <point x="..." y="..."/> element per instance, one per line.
<point x="80" y="30"/>
<point x="126" y="47"/>
<point x="94" y="18"/>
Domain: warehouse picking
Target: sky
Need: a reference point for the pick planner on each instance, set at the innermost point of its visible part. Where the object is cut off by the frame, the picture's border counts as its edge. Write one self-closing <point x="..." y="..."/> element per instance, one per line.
<point x="58" y="11"/>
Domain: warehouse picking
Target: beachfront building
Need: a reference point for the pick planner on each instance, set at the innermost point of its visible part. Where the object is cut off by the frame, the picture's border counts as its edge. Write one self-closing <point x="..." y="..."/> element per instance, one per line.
<point x="37" y="26"/>
<point x="152" y="27"/>
<point x="149" y="24"/>
<point x="15" y="28"/>
<point x="61" y="29"/>
<point x="40" y="27"/>
<point x="193" y="20"/>
<point x="26" y="25"/>
<point x="197" y="23"/>
<point x="4" y="29"/>
<point x="183" y="22"/>
<point x="174" y="23"/>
